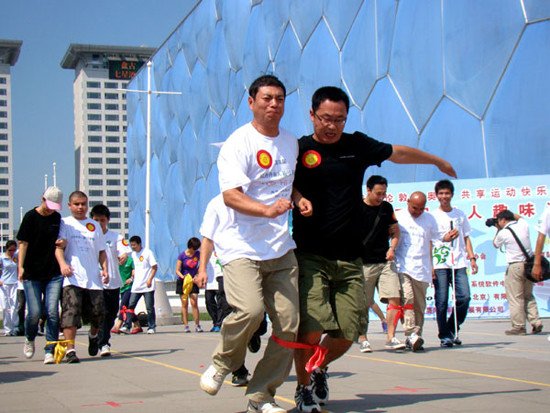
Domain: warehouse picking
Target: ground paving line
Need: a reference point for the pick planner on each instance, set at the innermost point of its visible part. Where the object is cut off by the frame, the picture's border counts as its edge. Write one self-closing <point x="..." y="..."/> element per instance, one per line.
<point x="465" y="372"/>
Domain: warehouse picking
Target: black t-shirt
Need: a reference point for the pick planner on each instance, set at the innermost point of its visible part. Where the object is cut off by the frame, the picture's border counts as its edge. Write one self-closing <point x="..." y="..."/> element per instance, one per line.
<point x="331" y="177"/>
<point x="374" y="251"/>
<point x="40" y="232"/>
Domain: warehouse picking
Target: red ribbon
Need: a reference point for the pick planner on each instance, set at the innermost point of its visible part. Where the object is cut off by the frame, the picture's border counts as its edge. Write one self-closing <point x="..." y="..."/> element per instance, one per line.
<point x="124" y="311"/>
<point x="316" y="359"/>
<point x="400" y="311"/>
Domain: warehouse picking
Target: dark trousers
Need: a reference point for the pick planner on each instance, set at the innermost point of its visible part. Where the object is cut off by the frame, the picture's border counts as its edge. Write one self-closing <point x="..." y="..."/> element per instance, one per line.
<point x="111" y="299"/>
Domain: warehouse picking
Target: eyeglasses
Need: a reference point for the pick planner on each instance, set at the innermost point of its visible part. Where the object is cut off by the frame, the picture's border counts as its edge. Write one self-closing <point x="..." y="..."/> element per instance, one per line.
<point x="328" y="122"/>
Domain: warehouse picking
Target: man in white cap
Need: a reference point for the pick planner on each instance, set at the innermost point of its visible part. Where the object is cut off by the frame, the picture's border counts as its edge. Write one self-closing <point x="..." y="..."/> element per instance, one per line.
<point x="39" y="271"/>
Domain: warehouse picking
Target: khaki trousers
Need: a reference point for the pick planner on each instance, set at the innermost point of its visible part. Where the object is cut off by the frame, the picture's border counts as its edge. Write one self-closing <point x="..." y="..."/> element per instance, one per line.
<point x="519" y="293"/>
<point x="414" y="292"/>
<point x="252" y="287"/>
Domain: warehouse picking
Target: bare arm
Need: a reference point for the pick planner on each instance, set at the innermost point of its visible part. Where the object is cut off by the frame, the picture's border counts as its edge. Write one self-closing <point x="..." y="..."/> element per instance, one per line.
<point x="207" y="246"/>
<point x="236" y="199"/>
<point x="394" y="240"/>
<point x="303" y="204"/>
<point x="22" y="254"/>
<point x="537" y="269"/>
<point x="471" y="255"/>
<point x="178" y="269"/>
<point x="66" y="270"/>
<point x="104" y="266"/>
<point x="153" y="272"/>
<point x="407" y="155"/>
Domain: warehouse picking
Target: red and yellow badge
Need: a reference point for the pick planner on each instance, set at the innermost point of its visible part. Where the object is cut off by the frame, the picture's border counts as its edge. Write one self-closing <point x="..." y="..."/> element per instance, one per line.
<point x="90" y="227"/>
<point x="264" y="159"/>
<point x="141" y="258"/>
<point x="15" y="259"/>
<point x="311" y="159"/>
<point x="124" y="242"/>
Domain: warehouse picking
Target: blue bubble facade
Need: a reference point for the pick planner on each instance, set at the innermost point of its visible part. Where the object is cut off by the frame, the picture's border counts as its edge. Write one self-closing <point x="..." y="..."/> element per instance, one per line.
<point x="464" y="79"/>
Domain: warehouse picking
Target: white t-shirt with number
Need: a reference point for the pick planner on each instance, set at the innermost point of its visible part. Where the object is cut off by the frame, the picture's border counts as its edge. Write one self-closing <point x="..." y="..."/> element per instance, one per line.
<point x="412" y="254"/>
<point x="264" y="168"/>
<point x="543" y="225"/>
<point x="84" y="242"/>
<point x="451" y="254"/>
<point x="116" y="246"/>
<point x="143" y="265"/>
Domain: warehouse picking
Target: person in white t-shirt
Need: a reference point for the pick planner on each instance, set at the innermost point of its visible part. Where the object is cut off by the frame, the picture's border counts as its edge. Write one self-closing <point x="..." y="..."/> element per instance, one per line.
<point x="450" y="260"/>
<point x="519" y="290"/>
<point x="543" y="228"/>
<point x="412" y="256"/>
<point x="80" y="264"/>
<point x="145" y="268"/>
<point x="117" y="253"/>
<point x="256" y="169"/>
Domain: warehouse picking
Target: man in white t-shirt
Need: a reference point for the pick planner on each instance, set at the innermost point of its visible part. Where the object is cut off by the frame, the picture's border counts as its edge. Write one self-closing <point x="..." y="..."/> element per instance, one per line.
<point x="83" y="283"/>
<point x="145" y="268"/>
<point x="412" y="257"/>
<point x="117" y="253"/>
<point x="543" y="228"/>
<point x="519" y="290"/>
<point x="450" y="261"/>
<point x="256" y="169"/>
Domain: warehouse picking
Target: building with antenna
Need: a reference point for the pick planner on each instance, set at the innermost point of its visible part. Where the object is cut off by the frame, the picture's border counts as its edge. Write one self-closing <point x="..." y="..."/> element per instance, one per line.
<point x="9" y="53"/>
<point x="101" y="72"/>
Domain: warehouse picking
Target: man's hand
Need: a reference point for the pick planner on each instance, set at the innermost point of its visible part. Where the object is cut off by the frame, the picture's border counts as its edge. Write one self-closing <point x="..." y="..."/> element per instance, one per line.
<point x="451" y="235"/>
<point x="122" y="259"/>
<point x="128" y="281"/>
<point x="20" y="272"/>
<point x="105" y="277"/>
<point x="66" y="270"/>
<point x="149" y="283"/>
<point x="446" y="168"/>
<point x="280" y="206"/>
<point x="537" y="272"/>
<point x="61" y="243"/>
<point x="474" y="267"/>
<point x="305" y="207"/>
<point x="390" y="255"/>
<point x="200" y="279"/>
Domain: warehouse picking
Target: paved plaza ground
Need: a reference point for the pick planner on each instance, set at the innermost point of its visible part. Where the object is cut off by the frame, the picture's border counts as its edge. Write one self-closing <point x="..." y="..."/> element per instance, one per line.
<point x="160" y="373"/>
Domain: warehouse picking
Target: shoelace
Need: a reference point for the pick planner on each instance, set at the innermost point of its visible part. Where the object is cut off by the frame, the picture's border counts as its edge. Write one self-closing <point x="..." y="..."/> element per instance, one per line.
<point x="305" y="395"/>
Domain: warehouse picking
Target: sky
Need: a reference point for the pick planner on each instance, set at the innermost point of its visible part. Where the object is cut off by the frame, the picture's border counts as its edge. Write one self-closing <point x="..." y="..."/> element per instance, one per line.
<point x="42" y="92"/>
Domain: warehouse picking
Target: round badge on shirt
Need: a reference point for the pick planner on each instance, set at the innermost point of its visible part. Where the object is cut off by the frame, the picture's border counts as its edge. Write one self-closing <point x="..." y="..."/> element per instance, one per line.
<point x="90" y="227"/>
<point x="311" y="159"/>
<point x="264" y="159"/>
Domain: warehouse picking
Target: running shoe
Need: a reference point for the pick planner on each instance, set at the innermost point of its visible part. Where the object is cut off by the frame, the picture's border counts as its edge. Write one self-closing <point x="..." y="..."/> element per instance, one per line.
<point x="105" y="351"/>
<point x="319" y="385"/>
<point x="198" y="329"/>
<point x="261" y="407"/>
<point x="137" y="330"/>
<point x="28" y="349"/>
<point x="124" y="330"/>
<point x="255" y="343"/>
<point x="365" y="347"/>
<point x="49" y="358"/>
<point x="446" y="342"/>
<point x="239" y="377"/>
<point x="211" y="380"/>
<point x="395" y="344"/>
<point x="186" y="329"/>
<point x="93" y="345"/>
<point x="71" y="357"/>
<point x="151" y="331"/>
<point x="304" y="400"/>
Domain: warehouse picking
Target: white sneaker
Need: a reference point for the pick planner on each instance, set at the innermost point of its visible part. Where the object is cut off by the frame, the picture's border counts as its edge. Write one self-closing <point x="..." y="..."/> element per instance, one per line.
<point x="105" y="351"/>
<point x="268" y="407"/>
<point x="49" y="358"/>
<point x="151" y="331"/>
<point x="416" y="342"/>
<point x="124" y="330"/>
<point x="212" y="380"/>
<point x="365" y="347"/>
<point x="395" y="344"/>
<point x="28" y="349"/>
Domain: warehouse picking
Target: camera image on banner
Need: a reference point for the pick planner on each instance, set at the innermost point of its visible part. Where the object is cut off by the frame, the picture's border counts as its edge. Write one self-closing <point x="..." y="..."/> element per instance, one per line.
<point x="481" y="200"/>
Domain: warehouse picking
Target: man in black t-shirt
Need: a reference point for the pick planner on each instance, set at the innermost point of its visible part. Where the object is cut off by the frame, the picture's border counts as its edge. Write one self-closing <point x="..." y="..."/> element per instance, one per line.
<point x="39" y="271"/>
<point x="329" y="173"/>
<point x="379" y="225"/>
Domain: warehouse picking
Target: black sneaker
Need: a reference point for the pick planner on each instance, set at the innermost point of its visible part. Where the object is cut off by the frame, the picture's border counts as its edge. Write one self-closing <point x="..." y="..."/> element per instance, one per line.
<point x="304" y="400"/>
<point x="71" y="357"/>
<point x="93" y="345"/>
<point x="319" y="385"/>
<point x="255" y="343"/>
<point x="239" y="377"/>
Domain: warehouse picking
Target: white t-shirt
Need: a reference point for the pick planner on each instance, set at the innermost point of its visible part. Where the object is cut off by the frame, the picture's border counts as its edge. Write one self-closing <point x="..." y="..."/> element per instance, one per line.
<point x="213" y="270"/>
<point x="143" y="265"/>
<point x="412" y="254"/>
<point x="505" y="237"/>
<point x="450" y="254"/>
<point x="264" y="167"/>
<point x="116" y="246"/>
<point x="543" y="226"/>
<point x="84" y="242"/>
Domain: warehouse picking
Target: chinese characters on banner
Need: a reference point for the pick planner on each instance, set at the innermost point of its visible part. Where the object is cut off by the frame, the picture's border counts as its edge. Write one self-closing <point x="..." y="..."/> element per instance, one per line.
<point x="481" y="199"/>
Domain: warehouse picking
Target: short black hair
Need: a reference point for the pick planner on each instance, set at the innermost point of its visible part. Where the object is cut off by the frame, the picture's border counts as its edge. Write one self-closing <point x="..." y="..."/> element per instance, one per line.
<point x="444" y="184"/>
<point x="332" y="93"/>
<point x="77" y="194"/>
<point x="265" y="80"/>
<point x="10" y="243"/>
<point x="376" y="180"/>
<point x="136" y="239"/>
<point x="100" y="210"/>
<point x="194" y="243"/>
<point x="507" y="215"/>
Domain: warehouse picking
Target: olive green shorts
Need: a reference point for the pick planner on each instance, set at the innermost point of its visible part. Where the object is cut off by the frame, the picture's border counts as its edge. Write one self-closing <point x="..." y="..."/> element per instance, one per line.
<point x="332" y="296"/>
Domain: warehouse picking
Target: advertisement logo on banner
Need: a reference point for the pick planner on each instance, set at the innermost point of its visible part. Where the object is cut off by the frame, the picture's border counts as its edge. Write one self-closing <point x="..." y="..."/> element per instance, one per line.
<point x="481" y="199"/>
